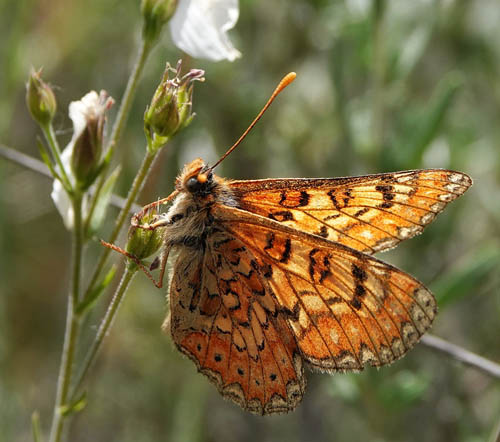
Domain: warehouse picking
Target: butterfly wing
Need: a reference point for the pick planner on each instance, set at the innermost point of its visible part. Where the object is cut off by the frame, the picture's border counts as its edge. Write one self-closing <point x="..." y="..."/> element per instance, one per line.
<point x="224" y="319"/>
<point x="368" y="213"/>
<point x="346" y="309"/>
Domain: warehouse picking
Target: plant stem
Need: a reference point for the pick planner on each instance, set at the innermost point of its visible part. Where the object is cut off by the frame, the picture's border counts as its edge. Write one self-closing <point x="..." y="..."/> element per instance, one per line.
<point x="35" y="427"/>
<point x="106" y="323"/>
<point x="72" y="325"/>
<point x="122" y="116"/>
<point x="48" y="131"/>
<point x="129" y="93"/>
<point x="124" y="213"/>
<point x="462" y="355"/>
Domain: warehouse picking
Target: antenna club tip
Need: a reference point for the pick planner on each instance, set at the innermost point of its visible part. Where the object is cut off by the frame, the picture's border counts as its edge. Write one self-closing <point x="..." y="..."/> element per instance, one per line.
<point x="287" y="79"/>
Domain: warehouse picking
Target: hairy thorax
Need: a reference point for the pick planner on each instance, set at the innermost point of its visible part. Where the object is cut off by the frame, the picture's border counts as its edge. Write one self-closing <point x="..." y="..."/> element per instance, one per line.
<point x="188" y="221"/>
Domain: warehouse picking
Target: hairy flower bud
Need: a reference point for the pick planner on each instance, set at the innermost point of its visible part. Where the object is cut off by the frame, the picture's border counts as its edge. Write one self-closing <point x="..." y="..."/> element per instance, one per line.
<point x="90" y="116"/>
<point x="143" y="242"/>
<point x="171" y="106"/>
<point x="40" y="99"/>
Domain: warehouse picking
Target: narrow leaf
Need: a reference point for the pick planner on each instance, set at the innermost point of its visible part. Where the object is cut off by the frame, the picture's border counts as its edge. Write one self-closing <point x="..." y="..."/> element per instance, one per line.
<point x="433" y="119"/>
<point x="94" y="295"/>
<point x="77" y="405"/>
<point x="102" y="203"/>
<point x="463" y="281"/>
<point x="35" y="427"/>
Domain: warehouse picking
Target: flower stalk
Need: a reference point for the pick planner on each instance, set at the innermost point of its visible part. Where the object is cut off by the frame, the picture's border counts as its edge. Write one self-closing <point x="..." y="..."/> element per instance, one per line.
<point x="72" y="326"/>
<point x="106" y="323"/>
<point x="48" y="131"/>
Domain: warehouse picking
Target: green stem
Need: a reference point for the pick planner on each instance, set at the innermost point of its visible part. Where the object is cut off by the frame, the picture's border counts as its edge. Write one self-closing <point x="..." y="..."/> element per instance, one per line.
<point x="106" y="323"/>
<point x="121" y="118"/>
<point x="123" y="215"/>
<point x="72" y="326"/>
<point x="35" y="427"/>
<point x="129" y="94"/>
<point x="48" y="131"/>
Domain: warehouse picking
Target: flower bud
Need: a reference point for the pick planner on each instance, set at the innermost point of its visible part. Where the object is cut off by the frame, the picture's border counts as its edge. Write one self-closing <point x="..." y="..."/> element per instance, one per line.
<point x="40" y="99"/>
<point x="143" y="242"/>
<point x="89" y="119"/>
<point x="171" y="106"/>
<point x="156" y="14"/>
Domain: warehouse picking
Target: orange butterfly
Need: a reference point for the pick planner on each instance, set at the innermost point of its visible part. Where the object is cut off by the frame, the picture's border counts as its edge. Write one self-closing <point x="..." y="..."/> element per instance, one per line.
<point x="271" y="274"/>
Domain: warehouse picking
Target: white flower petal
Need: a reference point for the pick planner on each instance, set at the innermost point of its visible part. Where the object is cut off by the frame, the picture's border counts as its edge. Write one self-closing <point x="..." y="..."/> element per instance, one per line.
<point x="199" y="28"/>
<point x="58" y="194"/>
<point x="80" y="110"/>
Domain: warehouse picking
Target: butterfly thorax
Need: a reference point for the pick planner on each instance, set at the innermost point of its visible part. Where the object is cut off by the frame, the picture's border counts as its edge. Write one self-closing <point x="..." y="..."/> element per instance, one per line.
<point x="188" y="221"/>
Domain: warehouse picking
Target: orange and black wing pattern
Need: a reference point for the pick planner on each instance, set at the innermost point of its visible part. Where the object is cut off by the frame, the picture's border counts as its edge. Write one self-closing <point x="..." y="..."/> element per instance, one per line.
<point x="225" y="319"/>
<point x="345" y="308"/>
<point x="368" y="213"/>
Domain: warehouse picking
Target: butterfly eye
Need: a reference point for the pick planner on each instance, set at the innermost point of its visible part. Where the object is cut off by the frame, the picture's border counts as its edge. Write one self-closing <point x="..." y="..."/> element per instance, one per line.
<point x="194" y="185"/>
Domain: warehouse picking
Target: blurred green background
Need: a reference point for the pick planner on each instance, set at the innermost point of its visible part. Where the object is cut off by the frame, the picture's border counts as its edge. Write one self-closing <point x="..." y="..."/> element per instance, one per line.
<point x="382" y="86"/>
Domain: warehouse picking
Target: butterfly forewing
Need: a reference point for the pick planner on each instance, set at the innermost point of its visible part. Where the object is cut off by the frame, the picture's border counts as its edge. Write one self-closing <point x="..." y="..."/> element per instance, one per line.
<point x="346" y="309"/>
<point x="368" y="213"/>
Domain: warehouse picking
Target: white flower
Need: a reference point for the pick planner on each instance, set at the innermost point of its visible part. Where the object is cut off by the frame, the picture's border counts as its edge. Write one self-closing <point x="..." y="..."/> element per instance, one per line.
<point x="199" y="28"/>
<point x="92" y="106"/>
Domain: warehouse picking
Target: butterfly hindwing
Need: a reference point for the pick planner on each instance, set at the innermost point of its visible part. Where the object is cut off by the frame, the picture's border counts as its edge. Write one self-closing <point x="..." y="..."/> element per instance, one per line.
<point x="224" y="318"/>
<point x="369" y="213"/>
<point x="346" y="309"/>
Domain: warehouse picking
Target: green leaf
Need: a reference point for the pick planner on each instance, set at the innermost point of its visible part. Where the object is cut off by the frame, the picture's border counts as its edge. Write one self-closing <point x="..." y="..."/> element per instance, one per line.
<point x="35" y="427"/>
<point x="433" y="119"/>
<point x="102" y="203"/>
<point x="77" y="405"/>
<point x="411" y="51"/>
<point x="93" y="296"/>
<point x="465" y="280"/>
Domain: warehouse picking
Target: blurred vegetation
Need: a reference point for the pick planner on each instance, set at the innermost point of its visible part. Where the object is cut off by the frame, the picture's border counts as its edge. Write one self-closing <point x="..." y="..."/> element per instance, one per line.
<point x="382" y="85"/>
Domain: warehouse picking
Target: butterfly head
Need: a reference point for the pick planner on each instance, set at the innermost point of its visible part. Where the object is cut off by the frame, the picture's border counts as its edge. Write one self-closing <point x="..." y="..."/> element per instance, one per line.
<point x="196" y="178"/>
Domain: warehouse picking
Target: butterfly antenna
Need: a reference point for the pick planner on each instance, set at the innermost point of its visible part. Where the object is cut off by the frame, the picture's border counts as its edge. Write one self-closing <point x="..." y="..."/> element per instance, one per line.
<point x="286" y="80"/>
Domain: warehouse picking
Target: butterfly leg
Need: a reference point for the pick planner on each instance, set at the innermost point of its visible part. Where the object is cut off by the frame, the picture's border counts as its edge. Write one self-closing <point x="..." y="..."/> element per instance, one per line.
<point x="137" y="261"/>
<point x="163" y="264"/>
<point x="136" y="219"/>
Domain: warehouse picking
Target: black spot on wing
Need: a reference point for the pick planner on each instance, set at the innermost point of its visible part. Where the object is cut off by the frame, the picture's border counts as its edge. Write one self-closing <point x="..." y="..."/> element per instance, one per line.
<point x="387" y="191"/>
<point x="304" y="199"/>
<point x="323" y="232"/>
<point x="269" y="241"/>
<point x="286" y="253"/>
<point x="283" y="215"/>
<point x="386" y="205"/>
<point x="332" y="196"/>
<point x="361" y="212"/>
<point x="358" y="273"/>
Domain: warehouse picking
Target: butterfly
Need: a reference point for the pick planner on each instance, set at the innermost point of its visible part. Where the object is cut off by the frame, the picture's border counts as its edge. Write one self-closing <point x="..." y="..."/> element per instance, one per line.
<point x="274" y="275"/>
